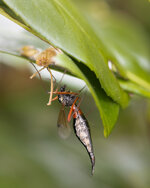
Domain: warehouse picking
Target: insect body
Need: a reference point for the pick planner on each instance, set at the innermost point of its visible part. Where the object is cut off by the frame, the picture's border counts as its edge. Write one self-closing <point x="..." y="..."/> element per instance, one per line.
<point x="80" y="123"/>
<point x="82" y="131"/>
<point x="68" y="98"/>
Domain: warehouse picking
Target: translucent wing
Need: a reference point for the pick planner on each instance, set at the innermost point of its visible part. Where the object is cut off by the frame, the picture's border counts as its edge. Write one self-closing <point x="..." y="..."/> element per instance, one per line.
<point x="62" y="124"/>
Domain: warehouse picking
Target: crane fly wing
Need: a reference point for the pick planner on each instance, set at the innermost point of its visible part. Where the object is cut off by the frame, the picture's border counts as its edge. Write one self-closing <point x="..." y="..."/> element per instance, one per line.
<point x="64" y="129"/>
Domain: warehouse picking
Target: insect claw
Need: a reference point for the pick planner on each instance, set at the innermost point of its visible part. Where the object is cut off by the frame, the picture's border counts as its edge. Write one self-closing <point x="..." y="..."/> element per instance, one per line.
<point x="31" y="77"/>
<point x="49" y="103"/>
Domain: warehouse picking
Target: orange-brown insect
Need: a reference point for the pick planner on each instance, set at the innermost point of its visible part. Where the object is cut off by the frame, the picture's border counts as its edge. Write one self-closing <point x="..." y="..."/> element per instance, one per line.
<point x="42" y="58"/>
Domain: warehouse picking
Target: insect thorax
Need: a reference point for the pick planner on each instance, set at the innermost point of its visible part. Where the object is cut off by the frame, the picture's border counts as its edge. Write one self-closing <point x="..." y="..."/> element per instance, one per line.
<point x="66" y="99"/>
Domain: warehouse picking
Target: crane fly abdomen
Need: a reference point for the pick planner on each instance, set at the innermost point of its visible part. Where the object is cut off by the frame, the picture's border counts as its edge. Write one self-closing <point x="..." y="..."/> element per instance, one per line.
<point x="82" y="131"/>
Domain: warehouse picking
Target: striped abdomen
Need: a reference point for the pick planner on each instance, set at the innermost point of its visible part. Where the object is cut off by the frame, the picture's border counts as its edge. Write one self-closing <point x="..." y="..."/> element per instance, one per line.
<point x="82" y="131"/>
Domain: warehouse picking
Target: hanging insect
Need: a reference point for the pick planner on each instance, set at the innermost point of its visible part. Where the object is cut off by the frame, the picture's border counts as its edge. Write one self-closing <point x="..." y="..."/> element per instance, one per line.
<point x="42" y="58"/>
<point x="80" y="123"/>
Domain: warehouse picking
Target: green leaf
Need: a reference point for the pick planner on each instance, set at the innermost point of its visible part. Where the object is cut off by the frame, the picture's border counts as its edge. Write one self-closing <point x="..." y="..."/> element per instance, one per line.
<point x="10" y="15"/>
<point x="109" y="110"/>
<point x="7" y="11"/>
<point x="60" y="24"/>
<point x="134" y="88"/>
<point x="127" y="46"/>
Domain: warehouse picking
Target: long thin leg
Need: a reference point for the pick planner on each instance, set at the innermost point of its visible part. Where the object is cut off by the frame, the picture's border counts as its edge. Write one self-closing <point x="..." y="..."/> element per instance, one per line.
<point x="82" y="89"/>
<point x="54" y="98"/>
<point x="54" y="82"/>
<point x="36" y="70"/>
<point x="33" y="75"/>
<point x="78" y="105"/>
<point x="67" y="92"/>
<point x="61" y="80"/>
<point x="64" y="93"/>
<point x="71" y="110"/>
<point x="43" y="85"/>
<point x="79" y="102"/>
<point x="51" y="89"/>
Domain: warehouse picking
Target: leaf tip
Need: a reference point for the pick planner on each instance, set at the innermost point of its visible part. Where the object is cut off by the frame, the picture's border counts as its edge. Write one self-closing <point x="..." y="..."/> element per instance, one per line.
<point x="106" y="134"/>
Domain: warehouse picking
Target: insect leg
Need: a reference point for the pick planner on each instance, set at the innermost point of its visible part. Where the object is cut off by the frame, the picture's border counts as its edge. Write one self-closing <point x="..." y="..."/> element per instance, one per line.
<point x="60" y="80"/>
<point x="51" y="90"/>
<point x="76" y="109"/>
<point x="64" y="93"/>
<point x="37" y="72"/>
<point x="82" y="89"/>
<point x="71" y="110"/>
<point x="55" y="98"/>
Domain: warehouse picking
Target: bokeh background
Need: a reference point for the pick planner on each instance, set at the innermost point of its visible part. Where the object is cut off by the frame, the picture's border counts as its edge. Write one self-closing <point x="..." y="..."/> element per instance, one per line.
<point x="32" y="155"/>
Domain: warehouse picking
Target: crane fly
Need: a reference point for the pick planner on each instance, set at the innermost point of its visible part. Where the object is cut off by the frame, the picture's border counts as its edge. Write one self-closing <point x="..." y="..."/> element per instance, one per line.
<point x="80" y="123"/>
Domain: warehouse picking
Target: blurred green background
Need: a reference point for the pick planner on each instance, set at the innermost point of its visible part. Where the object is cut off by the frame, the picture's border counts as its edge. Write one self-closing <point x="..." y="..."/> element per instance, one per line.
<point x="31" y="153"/>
